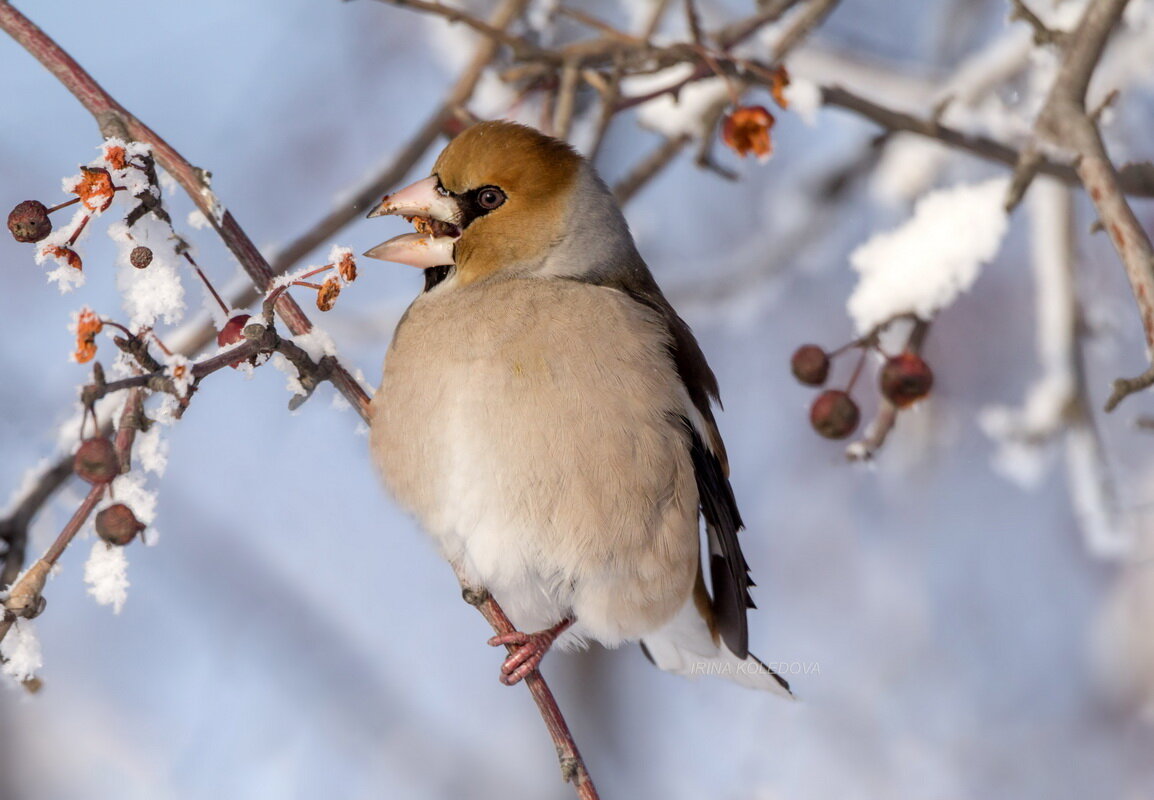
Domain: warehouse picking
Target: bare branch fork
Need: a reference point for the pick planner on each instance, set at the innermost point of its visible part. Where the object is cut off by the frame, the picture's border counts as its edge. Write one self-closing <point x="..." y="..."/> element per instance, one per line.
<point x="25" y="598"/>
<point x="1065" y="121"/>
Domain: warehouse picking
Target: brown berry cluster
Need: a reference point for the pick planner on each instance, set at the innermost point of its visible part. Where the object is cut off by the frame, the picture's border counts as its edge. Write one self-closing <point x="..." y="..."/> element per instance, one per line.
<point x="903" y="380"/>
<point x="97" y="462"/>
<point x="94" y="190"/>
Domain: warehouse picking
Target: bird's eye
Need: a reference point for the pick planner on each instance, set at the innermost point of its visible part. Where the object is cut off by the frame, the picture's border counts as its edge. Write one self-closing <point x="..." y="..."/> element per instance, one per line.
<point x="490" y="197"/>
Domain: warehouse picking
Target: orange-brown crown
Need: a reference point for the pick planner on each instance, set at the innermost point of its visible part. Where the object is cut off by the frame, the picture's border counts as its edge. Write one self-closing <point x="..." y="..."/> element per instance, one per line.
<point x="535" y="172"/>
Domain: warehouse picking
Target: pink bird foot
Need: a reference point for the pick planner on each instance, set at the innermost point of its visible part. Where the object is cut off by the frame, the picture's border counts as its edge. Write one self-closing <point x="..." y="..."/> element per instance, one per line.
<point x="528" y="650"/>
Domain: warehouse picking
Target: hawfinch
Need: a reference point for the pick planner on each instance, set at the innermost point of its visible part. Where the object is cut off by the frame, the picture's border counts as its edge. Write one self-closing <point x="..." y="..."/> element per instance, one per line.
<point x="546" y="415"/>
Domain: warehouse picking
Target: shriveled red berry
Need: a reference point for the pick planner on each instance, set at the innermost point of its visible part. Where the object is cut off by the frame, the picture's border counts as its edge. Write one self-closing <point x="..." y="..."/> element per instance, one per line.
<point x="95" y="461"/>
<point x="140" y="257"/>
<point x="905" y="379"/>
<point x="810" y="365"/>
<point x="29" y="221"/>
<point x="118" y="525"/>
<point x="834" y="414"/>
<point x="233" y="332"/>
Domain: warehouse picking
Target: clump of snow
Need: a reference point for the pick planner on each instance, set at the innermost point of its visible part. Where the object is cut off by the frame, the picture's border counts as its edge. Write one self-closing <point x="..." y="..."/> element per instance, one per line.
<point x="65" y="276"/>
<point x="804" y="98"/>
<point x="292" y="377"/>
<point x="21" y="651"/>
<point x="152" y="451"/>
<point x="681" y="114"/>
<point x="155" y="292"/>
<point x="336" y="253"/>
<point x="130" y="489"/>
<point x="179" y="369"/>
<point x="317" y="343"/>
<point x="197" y="220"/>
<point x="106" y="574"/>
<point x="923" y="265"/>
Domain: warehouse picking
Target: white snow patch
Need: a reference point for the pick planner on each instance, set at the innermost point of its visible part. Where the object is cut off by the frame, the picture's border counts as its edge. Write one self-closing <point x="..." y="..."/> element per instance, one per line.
<point x="292" y="377"/>
<point x="680" y="115"/>
<point x="105" y="572"/>
<point x="152" y="451"/>
<point x="130" y="489"/>
<point x="155" y="292"/>
<point x="317" y="343"/>
<point x="804" y="98"/>
<point x="923" y="265"/>
<point x="21" y="651"/>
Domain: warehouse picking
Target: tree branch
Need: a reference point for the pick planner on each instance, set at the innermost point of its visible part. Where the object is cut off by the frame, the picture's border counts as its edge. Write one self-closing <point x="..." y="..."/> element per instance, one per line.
<point x="1065" y="121"/>
<point x="115" y="121"/>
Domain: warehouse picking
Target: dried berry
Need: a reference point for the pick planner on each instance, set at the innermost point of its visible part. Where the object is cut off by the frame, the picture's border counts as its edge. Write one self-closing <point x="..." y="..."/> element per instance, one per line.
<point x="834" y="414"/>
<point x="233" y="330"/>
<point x="88" y="325"/>
<point x="810" y="365"/>
<point x="905" y="379"/>
<point x="328" y="293"/>
<point x="779" y="85"/>
<point x="94" y="188"/>
<point x="29" y="221"/>
<point x="746" y="131"/>
<point x="70" y="256"/>
<point x="95" y="461"/>
<point x="118" y="525"/>
<point x="140" y="257"/>
<point x="347" y="267"/>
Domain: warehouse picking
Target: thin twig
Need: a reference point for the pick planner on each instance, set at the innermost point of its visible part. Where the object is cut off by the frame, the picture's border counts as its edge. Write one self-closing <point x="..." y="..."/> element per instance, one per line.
<point x="887" y="414"/>
<point x="522" y="48"/>
<point x="115" y="121"/>
<point x="1065" y="121"/>
<point x="1136" y="179"/>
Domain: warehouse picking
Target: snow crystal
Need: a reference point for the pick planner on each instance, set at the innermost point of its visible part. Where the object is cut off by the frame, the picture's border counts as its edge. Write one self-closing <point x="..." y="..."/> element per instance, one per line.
<point x="155" y="292"/>
<point x="336" y="253"/>
<point x="152" y="451"/>
<point x="21" y="651"/>
<point x="64" y="275"/>
<point x="681" y="115"/>
<point x="317" y="343"/>
<point x="923" y="265"/>
<point x="804" y="98"/>
<point x="105" y="572"/>
<point x="130" y="489"/>
<point x="292" y="377"/>
<point x="180" y="370"/>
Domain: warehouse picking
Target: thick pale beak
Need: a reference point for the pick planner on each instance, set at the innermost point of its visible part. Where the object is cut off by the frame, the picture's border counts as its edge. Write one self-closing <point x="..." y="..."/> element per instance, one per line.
<point x="424" y="200"/>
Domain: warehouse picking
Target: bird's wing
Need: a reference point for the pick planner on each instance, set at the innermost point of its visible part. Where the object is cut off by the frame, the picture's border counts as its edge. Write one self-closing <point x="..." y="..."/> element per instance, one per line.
<point x="729" y="572"/>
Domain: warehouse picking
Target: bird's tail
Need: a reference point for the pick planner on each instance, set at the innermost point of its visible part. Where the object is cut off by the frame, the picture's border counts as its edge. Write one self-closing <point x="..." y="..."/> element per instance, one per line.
<point x="685" y="646"/>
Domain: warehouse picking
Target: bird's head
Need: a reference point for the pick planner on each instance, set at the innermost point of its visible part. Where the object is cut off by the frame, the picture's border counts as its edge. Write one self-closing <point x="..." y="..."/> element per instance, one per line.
<point x="504" y="197"/>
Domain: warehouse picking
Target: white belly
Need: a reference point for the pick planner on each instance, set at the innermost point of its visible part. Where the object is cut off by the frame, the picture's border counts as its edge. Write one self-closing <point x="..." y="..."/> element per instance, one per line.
<point x="543" y="452"/>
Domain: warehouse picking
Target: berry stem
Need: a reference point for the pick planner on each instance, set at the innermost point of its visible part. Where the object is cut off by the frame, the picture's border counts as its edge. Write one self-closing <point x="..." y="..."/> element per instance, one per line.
<point x="857" y="370"/>
<point x="205" y="280"/>
<point x="79" y="229"/>
<point x="65" y="204"/>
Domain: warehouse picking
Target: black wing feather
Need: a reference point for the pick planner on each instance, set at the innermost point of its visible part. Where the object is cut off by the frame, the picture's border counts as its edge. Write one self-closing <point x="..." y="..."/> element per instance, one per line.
<point x="728" y="570"/>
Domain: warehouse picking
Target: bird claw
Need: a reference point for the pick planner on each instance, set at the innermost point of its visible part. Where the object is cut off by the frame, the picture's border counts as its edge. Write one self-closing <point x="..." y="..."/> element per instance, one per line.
<point x="527" y="650"/>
